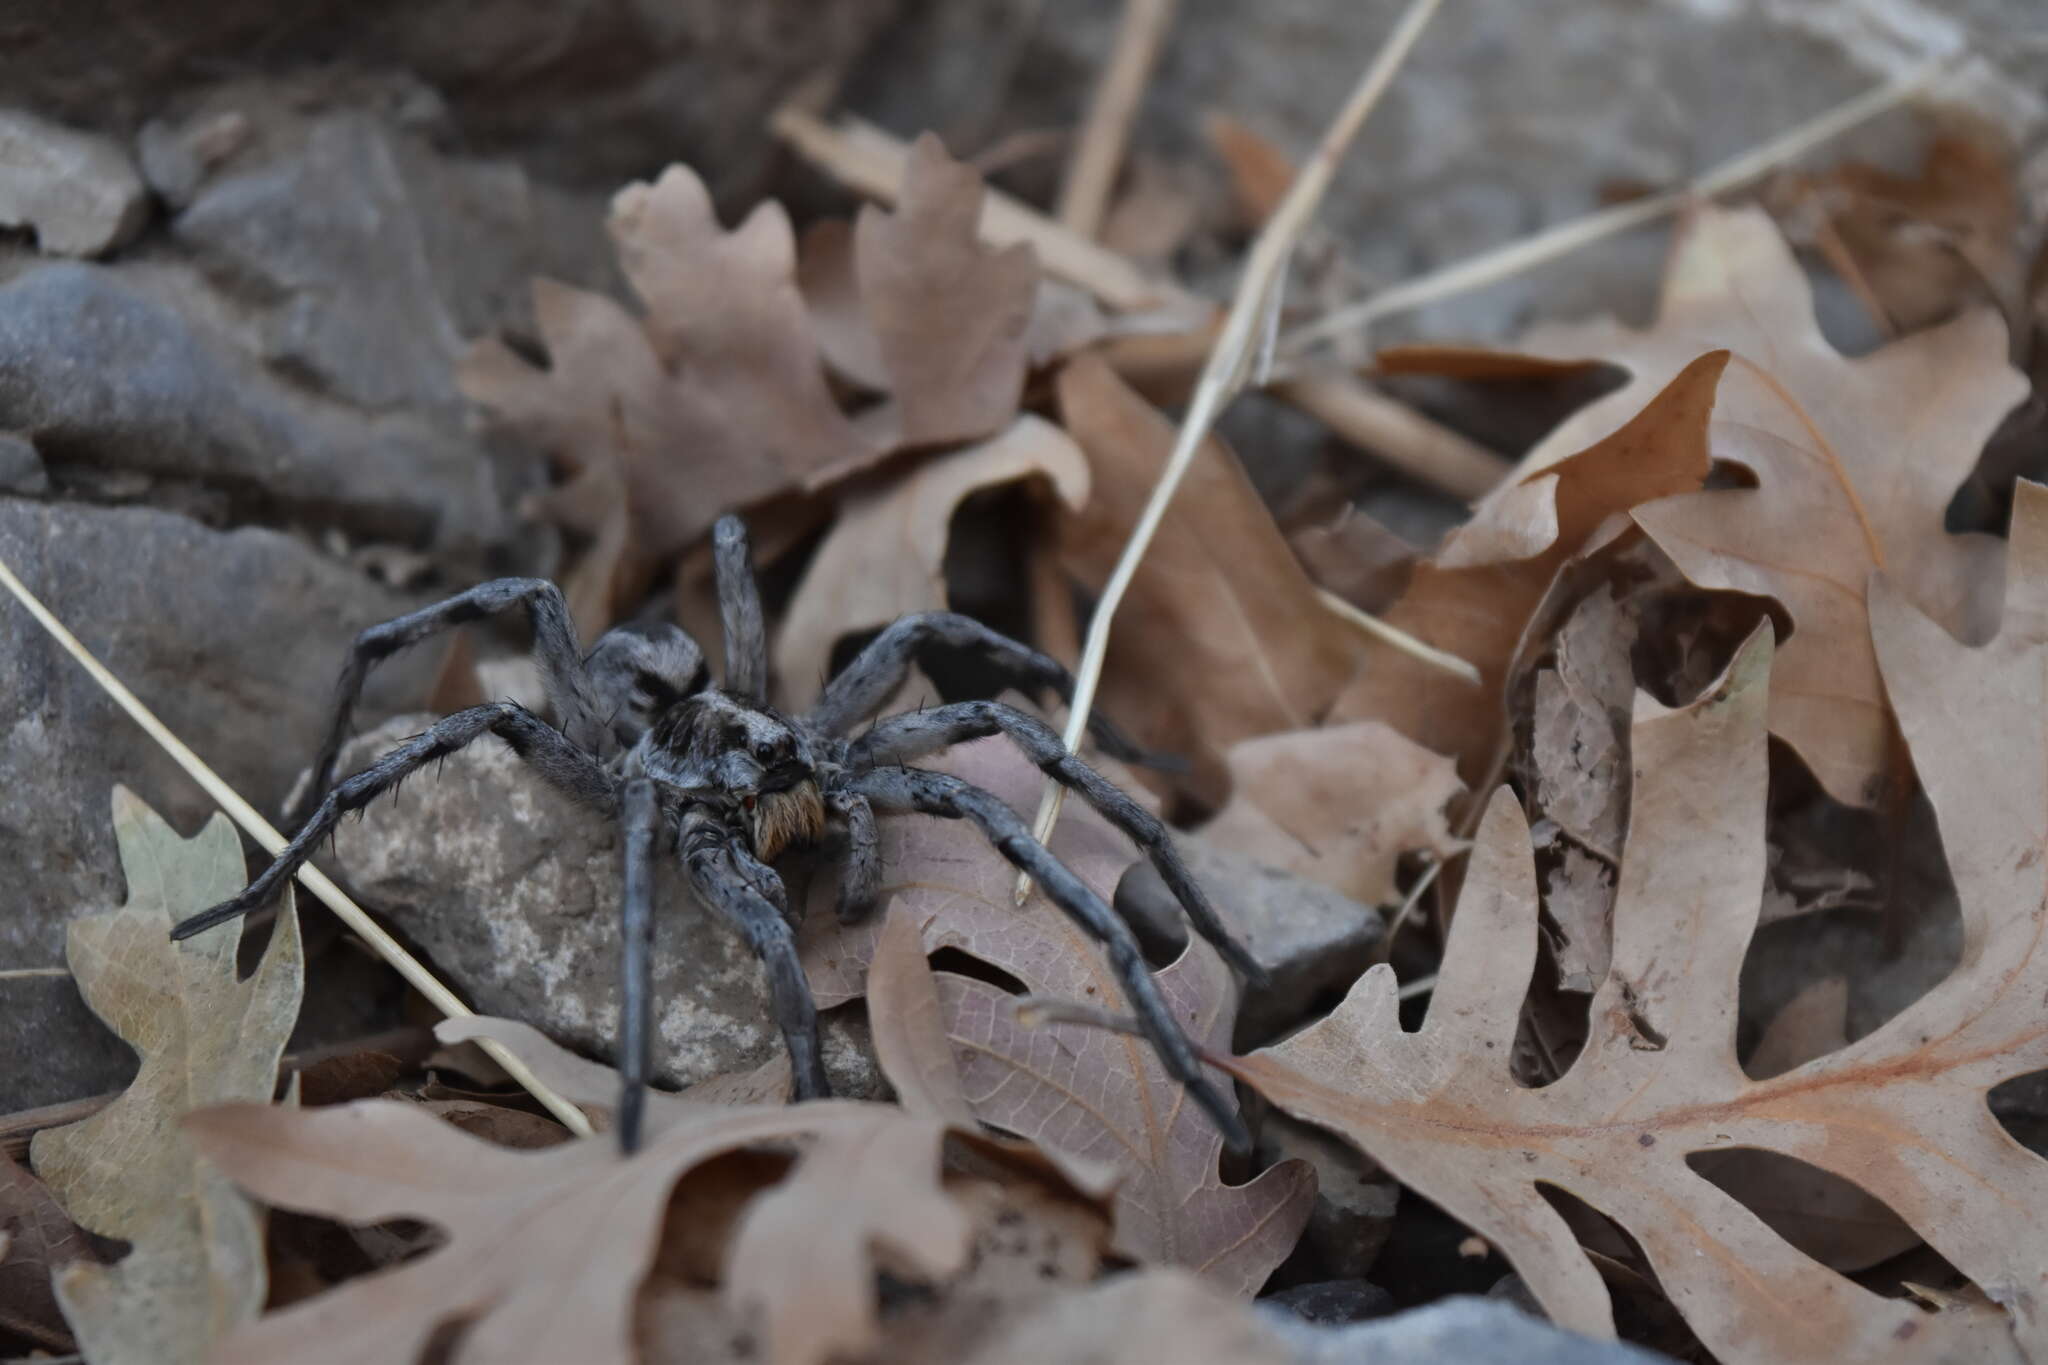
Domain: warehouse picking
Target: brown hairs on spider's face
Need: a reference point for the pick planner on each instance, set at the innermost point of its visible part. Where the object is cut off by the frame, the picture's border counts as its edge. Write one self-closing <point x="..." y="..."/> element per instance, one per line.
<point x="787" y="819"/>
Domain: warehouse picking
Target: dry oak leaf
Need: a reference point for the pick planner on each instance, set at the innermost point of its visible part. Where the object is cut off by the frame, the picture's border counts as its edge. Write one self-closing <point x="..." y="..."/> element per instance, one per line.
<point x="37" y="1239"/>
<point x="1578" y="746"/>
<point x="546" y="1249"/>
<point x="1856" y="461"/>
<point x="1828" y="1218"/>
<point x="1140" y="1319"/>
<point x="717" y="400"/>
<point x="949" y="315"/>
<point x="1081" y="1092"/>
<point x="1222" y="636"/>
<point x="1478" y="595"/>
<point x="885" y="555"/>
<point x="1339" y="805"/>
<point x="196" y="1267"/>
<point x="1915" y="248"/>
<point x="1900" y="1113"/>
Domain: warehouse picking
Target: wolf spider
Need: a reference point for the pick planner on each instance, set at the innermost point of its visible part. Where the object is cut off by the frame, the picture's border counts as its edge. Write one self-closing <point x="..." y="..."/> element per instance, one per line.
<point x="724" y="780"/>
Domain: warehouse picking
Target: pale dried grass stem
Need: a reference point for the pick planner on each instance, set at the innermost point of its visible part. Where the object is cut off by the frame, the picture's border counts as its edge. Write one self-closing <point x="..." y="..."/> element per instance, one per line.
<point x="1099" y="152"/>
<point x="1229" y="367"/>
<point x="263" y="832"/>
<point x="1517" y="257"/>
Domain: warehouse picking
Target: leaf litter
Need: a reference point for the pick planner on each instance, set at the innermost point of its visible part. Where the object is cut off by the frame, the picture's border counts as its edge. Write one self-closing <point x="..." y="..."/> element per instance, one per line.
<point x="194" y="1269"/>
<point x="1746" y="538"/>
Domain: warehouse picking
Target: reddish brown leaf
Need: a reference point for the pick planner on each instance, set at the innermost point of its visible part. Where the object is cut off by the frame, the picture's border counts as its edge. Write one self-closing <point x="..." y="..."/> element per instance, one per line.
<point x="1221" y="636"/>
<point x="1899" y="1113"/>
<point x="948" y="315"/>
<point x="1857" y="461"/>
<point x="1338" y="805"/>
<point x="1099" y="1096"/>
<point x="1477" y="596"/>
<point x="36" y="1239"/>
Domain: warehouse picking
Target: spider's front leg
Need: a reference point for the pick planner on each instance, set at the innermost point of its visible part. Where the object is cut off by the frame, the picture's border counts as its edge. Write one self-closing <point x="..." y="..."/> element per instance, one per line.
<point x="930" y="793"/>
<point x="554" y="647"/>
<point x="748" y="895"/>
<point x="640" y="814"/>
<point x="563" y="765"/>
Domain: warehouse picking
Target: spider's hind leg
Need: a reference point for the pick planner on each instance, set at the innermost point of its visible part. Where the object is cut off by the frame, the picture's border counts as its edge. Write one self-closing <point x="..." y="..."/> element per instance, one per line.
<point x="930" y="793"/>
<point x="554" y="645"/>
<point x="900" y="739"/>
<point x="558" y="761"/>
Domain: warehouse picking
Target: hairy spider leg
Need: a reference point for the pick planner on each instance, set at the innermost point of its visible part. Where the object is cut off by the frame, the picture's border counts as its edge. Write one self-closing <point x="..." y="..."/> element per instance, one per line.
<point x="930" y="793"/>
<point x="879" y="669"/>
<point x="559" y="762"/>
<point x="860" y="862"/>
<point x="746" y="893"/>
<point x="554" y="647"/>
<point x="640" y="815"/>
<point x="739" y="609"/>
<point x="898" y="740"/>
<point x="639" y="671"/>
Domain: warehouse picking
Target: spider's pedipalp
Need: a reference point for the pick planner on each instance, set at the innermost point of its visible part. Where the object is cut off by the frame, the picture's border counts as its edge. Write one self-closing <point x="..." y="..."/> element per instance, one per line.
<point x="743" y="892"/>
<point x="554" y="646"/>
<point x="900" y="739"/>
<point x="930" y="793"/>
<point x="640" y="815"/>
<point x="879" y="669"/>
<point x="560" y="763"/>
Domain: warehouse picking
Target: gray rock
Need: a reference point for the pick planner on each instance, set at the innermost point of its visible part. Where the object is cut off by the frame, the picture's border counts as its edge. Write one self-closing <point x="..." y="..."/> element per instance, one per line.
<point x="1457" y="1331"/>
<point x="331" y="235"/>
<point x="1506" y="119"/>
<point x="1355" y="1198"/>
<point x="130" y="369"/>
<point x="176" y="156"/>
<point x="21" y="468"/>
<point x="513" y="892"/>
<point x="367" y="256"/>
<point x="591" y="91"/>
<point x="1311" y="940"/>
<point x="77" y="190"/>
<point x="232" y="639"/>
<point x="1332" y="1303"/>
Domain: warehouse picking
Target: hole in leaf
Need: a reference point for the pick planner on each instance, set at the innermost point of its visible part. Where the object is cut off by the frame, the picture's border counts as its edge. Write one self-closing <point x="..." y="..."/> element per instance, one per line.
<point x="2021" y="1106"/>
<point x="967" y="965"/>
<point x="1642" y="1312"/>
<point x="1834" y="1221"/>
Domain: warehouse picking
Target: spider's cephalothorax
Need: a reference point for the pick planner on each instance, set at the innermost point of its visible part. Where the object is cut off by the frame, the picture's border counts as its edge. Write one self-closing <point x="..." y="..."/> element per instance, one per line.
<point x="714" y="745"/>
<point x="717" y="778"/>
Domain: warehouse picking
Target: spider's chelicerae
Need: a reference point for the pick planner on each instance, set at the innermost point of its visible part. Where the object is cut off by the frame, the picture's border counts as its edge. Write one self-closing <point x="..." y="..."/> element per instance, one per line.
<point x="722" y="779"/>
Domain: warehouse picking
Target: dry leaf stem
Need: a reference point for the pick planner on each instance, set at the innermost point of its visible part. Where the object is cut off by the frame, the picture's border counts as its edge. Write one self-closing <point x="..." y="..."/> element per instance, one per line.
<point x="1491" y="267"/>
<point x="1099" y="153"/>
<point x="264" y="833"/>
<point x="1246" y="332"/>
